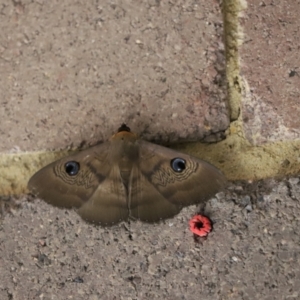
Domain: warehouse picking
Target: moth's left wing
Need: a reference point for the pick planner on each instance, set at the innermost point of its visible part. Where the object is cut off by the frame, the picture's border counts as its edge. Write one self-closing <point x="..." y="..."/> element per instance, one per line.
<point x="159" y="192"/>
<point x="146" y="202"/>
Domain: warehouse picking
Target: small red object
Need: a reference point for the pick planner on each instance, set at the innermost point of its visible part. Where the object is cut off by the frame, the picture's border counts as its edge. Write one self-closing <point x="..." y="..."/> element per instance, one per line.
<point x="200" y="225"/>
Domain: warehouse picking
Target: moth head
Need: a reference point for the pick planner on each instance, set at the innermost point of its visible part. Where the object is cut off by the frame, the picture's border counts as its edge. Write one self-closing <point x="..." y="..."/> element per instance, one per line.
<point x="124" y="127"/>
<point x="124" y="133"/>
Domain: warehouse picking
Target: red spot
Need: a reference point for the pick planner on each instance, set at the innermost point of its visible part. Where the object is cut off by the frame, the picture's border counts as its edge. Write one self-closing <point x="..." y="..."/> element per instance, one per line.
<point x="200" y="225"/>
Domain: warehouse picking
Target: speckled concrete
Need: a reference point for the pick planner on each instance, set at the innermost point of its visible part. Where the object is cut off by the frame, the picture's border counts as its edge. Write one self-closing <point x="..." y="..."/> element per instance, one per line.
<point x="270" y="74"/>
<point x="74" y="72"/>
<point x="252" y="253"/>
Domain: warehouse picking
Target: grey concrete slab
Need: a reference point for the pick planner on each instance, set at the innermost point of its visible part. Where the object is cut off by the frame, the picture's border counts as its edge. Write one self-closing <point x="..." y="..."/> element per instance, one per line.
<point x="252" y="252"/>
<point x="75" y="71"/>
<point x="269" y="58"/>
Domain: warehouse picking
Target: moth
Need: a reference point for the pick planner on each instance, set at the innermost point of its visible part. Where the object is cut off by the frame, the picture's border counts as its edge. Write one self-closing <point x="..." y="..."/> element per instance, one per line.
<point x="126" y="178"/>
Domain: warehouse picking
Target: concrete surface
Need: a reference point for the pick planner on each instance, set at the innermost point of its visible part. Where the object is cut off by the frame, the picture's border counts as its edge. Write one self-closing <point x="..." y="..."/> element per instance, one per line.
<point x="252" y="252"/>
<point x="270" y="74"/>
<point x="74" y="72"/>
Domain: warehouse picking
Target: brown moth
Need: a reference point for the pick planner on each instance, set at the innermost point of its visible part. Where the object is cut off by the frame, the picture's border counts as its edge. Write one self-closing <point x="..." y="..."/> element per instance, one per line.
<point x="126" y="178"/>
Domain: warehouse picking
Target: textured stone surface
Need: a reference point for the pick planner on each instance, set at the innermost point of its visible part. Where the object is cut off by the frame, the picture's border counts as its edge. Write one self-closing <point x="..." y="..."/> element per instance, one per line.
<point x="252" y="253"/>
<point x="270" y="68"/>
<point x="75" y="71"/>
